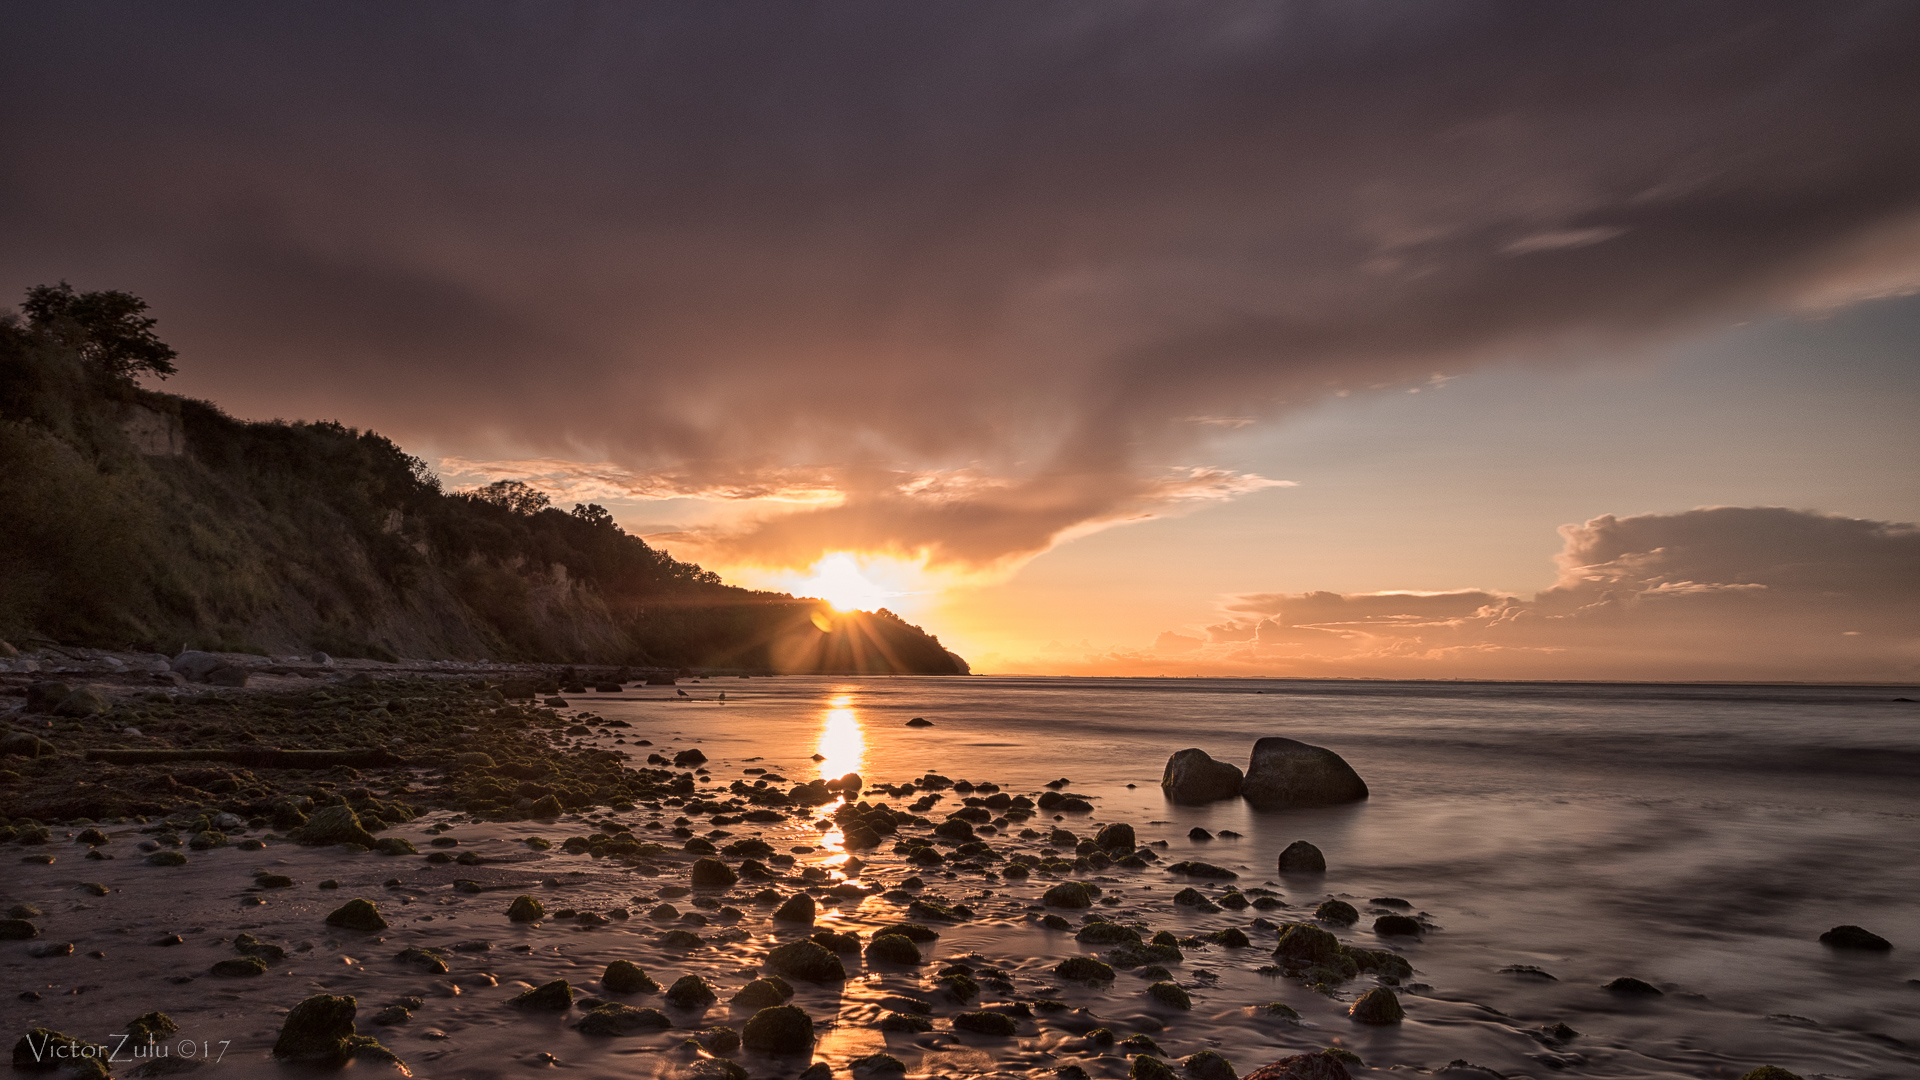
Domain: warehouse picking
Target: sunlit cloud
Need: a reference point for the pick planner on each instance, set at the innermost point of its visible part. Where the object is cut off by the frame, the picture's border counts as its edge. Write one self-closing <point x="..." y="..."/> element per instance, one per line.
<point x="570" y="481"/>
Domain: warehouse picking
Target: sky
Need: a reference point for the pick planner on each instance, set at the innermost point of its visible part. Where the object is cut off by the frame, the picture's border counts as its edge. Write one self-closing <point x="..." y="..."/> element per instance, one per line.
<point x="1476" y="340"/>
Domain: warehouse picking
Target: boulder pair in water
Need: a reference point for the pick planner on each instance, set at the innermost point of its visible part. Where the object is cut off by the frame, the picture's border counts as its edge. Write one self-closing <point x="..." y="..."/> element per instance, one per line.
<point x="1281" y="773"/>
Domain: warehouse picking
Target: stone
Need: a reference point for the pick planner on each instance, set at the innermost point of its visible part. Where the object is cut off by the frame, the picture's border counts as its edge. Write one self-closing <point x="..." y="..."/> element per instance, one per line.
<point x="919" y="721"/>
<point x="332" y="825"/>
<point x="1083" y="969"/>
<point x="228" y="675"/>
<point x="799" y="908"/>
<point x="687" y="759"/>
<point x="1319" y="1066"/>
<point x="473" y="760"/>
<point x="1201" y="869"/>
<point x="546" y="807"/>
<point x="240" y="966"/>
<point x="195" y="665"/>
<point x="779" y="1029"/>
<point x="877" y="1065"/>
<point x="893" y="949"/>
<point x="982" y="1022"/>
<point x="1627" y="984"/>
<point x="45" y="696"/>
<point x="1337" y="911"/>
<point x="394" y="845"/>
<point x="1853" y="937"/>
<point x="167" y="858"/>
<point x="1068" y="894"/>
<point x="1170" y="993"/>
<point x="319" y="1030"/>
<point x="1148" y="1067"/>
<point x="44" y="1050"/>
<point x="1209" y="1065"/>
<point x="1377" y="1006"/>
<point x="615" y="1019"/>
<point x="1106" y="933"/>
<point x="357" y="914"/>
<point x="526" y="909"/>
<point x="763" y="993"/>
<point x="1194" y="778"/>
<point x="85" y="701"/>
<point x="1769" y="1072"/>
<point x="553" y="997"/>
<point x="23" y="744"/>
<point x="807" y="960"/>
<point x="18" y="930"/>
<point x="691" y="992"/>
<point x="713" y="874"/>
<point x="1396" y="926"/>
<point x="1303" y="858"/>
<point x="625" y="977"/>
<point x="1116" y="837"/>
<point x="1303" y="944"/>
<point x="427" y="960"/>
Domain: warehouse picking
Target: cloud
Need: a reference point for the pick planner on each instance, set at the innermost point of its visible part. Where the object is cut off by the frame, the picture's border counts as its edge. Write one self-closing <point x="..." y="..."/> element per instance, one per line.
<point x="1738" y="593"/>
<point x="1033" y="251"/>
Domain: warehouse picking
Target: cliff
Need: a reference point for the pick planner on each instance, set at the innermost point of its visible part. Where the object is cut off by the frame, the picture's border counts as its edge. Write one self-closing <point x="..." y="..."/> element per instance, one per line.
<point x="130" y="518"/>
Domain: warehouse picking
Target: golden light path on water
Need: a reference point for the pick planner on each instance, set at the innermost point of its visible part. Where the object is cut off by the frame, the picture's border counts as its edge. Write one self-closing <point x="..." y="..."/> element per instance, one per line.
<point x="842" y="749"/>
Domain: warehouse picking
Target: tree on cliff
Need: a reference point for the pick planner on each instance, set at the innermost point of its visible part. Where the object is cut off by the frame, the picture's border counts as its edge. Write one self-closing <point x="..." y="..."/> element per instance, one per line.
<point x="110" y="330"/>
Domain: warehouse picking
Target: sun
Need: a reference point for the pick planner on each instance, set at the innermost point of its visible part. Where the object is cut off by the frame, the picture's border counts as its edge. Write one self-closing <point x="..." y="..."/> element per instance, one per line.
<point x="837" y="579"/>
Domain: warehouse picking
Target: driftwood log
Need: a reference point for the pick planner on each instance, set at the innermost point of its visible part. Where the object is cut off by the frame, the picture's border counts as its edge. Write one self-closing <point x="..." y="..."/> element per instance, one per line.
<point x="259" y="758"/>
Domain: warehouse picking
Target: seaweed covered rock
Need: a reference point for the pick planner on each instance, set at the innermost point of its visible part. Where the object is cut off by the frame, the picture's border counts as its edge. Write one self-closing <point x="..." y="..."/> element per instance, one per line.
<point x="691" y="992"/>
<point x="1304" y="945"/>
<point x="1396" y="926"/>
<point x="1324" y="1065"/>
<point x="625" y="977"/>
<point x="808" y="960"/>
<point x="1337" y="911"/>
<point x="1301" y="857"/>
<point x="1192" y="868"/>
<point x="1288" y="773"/>
<point x="615" y="1019"/>
<point x="986" y="1023"/>
<point x="1769" y="1072"/>
<point x="1193" y="778"/>
<point x="1377" y="1006"/>
<point x="526" y="909"/>
<point x="713" y="874"/>
<point x="44" y="1050"/>
<point x="763" y="993"/>
<point x="1083" y="969"/>
<point x="333" y="825"/>
<point x="318" y="1030"/>
<point x="1171" y="994"/>
<point x="357" y="914"/>
<point x="1148" y="1067"/>
<point x="1116" y="837"/>
<point x="1209" y="1065"/>
<point x="893" y="949"/>
<point x="1101" y="932"/>
<point x="554" y="996"/>
<point x="779" y="1029"/>
<point x="1068" y="894"/>
<point x="799" y="908"/>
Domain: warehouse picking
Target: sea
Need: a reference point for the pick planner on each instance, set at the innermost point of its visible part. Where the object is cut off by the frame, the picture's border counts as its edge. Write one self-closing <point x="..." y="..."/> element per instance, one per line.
<point x="1551" y="837"/>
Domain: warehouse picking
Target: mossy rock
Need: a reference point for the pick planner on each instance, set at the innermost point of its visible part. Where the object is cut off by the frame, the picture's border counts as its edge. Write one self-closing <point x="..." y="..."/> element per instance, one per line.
<point x="44" y="1050"/>
<point x="905" y="1023"/>
<point x="682" y="939"/>
<point x="332" y="825"/>
<point x="911" y="931"/>
<point x="427" y="960"/>
<point x="150" y="1027"/>
<point x="1232" y="937"/>
<point x="1209" y="1065"/>
<point x="779" y="1029"/>
<point x="626" y="977"/>
<point x="840" y="943"/>
<point x="877" y="1065"/>
<point x="763" y="993"/>
<point x="1083" y="969"/>
<point x="395" y="845"/>
<point x="1201" y="870"/>
<point x="713" y="874"/>
<point x="614" y="1019"/>
<point x="1072" y="895"/>
<point x="691" y="992"/>
<point x="1303" y="944"/>
<point x="1337" y="911"/>
<point x="1116" y="837"/>
<point x="986" y="1023"/>
<point x="799" y="908"/>
<point x="1148" y="1067"/>
<point x="1627" y="984"/>
<point x="1302" y="858"/>
<point x="18" y="930"/>
<point x="357" y="914"/>
<point x="553" y="996"/>
<point x="1769" y="1072"/>
<point x="166" y="858"/>
<point x="1106" y="933"/>
<point x="248" y="945"/>
<point x="807" y="960"/>
<point x="318" y="1030"/>
<point x="240" y="966"/>
<point x="273" y="881"/>
<point x="893" y="949"/>
<point x="1171" y="994"/>
<point x="526" y="909"/>
<point x="1377" y="1006"/>
<point x="1396" y="926"/>
<point x="1282" y="1010"/>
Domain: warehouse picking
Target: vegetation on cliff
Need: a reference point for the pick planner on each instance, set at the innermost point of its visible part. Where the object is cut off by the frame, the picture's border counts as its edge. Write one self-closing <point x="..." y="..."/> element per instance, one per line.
<point x="135" y="518"/>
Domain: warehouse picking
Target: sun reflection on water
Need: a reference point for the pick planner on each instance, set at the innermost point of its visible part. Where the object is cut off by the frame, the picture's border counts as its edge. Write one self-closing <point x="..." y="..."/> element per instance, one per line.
<point x="842" y="749"/>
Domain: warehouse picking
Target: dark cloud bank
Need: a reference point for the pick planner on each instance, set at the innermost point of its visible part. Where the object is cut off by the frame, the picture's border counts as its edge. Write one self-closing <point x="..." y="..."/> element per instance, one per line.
<point x="988" y="269"/>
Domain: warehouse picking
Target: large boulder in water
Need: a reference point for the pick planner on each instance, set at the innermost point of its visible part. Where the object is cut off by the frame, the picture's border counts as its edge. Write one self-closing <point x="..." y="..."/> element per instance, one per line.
<point x="1289" y="773"/>
<point x="1193" y="778"/>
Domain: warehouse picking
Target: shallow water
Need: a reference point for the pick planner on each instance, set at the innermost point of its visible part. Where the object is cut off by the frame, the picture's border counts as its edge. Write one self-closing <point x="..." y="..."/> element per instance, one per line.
<point x="1699" y="838"/>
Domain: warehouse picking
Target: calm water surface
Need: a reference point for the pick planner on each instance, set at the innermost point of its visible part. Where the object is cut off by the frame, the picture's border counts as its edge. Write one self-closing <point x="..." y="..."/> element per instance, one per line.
<point x="1699" y="838"/>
